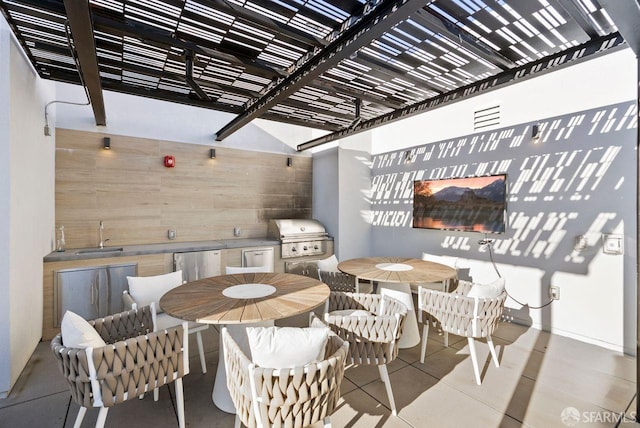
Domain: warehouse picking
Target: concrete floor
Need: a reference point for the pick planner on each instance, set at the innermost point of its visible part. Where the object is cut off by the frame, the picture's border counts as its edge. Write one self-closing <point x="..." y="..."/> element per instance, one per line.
<point x="540" y="375"/>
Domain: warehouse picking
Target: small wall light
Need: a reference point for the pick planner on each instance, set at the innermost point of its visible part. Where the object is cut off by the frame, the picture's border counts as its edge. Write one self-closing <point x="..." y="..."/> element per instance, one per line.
<point x="536" y="133"/>
<point x="106" y="143"/>
<point x="408" y="156"/>
<point x="212" y="153"/>
<point x="289" y="161"/>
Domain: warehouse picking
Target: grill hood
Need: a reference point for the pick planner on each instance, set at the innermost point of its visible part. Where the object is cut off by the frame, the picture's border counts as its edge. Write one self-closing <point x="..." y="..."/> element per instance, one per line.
<point x="296" y="229"/>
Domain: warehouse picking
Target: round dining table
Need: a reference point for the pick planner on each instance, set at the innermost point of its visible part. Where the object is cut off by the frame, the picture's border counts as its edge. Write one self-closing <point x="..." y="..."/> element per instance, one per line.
<point x="242" y="300"/>
<point x="394" y="276"/>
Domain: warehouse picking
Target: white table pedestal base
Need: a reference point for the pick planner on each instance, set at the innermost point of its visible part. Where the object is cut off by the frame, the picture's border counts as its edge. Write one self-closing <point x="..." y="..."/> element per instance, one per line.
<point x="402" y="292"/>
<point x="220" y="395"/>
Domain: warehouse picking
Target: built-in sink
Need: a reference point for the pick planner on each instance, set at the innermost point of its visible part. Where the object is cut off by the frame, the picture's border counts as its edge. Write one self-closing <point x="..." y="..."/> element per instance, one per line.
<point x="100" y="250"/>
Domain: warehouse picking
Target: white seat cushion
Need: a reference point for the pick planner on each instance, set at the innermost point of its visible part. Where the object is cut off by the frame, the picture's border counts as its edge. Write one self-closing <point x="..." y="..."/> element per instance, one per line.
<point x="487" y="291"/>
<point x="329" y="264"/>
<point x="286" y="347"/>
<point x="78" y="333"/>
<point x="147" y="289"/>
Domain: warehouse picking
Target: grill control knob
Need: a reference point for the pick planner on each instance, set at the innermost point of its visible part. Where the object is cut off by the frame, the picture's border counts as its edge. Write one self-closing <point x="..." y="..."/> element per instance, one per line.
<point x="293" y="249"/>
<point x="315" y="247"/>
<point x="304" y="248"/>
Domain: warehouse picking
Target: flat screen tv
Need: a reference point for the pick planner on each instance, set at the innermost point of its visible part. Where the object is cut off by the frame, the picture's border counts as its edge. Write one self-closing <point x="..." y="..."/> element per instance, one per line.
<point x="472" y="204"/>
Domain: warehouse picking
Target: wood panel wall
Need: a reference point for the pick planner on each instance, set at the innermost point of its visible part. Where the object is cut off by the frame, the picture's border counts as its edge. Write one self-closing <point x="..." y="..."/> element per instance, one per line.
<point x="201" y="198"/>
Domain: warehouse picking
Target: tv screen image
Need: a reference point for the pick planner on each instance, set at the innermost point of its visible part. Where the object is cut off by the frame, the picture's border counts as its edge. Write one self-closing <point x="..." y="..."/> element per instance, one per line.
<point x="473" y="204"/>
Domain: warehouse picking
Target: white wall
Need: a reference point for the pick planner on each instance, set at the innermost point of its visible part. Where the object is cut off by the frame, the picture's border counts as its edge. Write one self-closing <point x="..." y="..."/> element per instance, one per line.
<point x="26" y="206"/>
<point x="342" y="194"/>
<point x="5" y="226"/>
<point x="594" y="286"/>
<point x="354" y="180"/>
<point x="135" y="116"/>
<point x="606" y="80"/>
<point x="325" y="191"/>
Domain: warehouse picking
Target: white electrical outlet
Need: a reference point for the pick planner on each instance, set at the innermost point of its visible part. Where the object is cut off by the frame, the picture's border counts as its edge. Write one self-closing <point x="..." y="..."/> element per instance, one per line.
<point x="554" y="292"/>
<point x="612" y="244"/>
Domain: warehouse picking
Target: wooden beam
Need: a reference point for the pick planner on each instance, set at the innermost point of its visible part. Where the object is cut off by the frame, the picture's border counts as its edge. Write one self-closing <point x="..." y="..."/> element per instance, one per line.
<point x="81" y="26"/>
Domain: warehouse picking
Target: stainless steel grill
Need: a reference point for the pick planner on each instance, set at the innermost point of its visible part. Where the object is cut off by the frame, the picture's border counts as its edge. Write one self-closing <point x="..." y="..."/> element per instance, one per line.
<point x="299" y="237"/>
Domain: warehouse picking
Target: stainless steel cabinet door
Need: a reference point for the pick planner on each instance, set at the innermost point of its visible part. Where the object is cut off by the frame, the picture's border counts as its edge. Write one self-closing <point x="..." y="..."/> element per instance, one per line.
<point x="197" y="264"/>
<point x="312" y="269"/>
<point x="77" y="290"/>
<point x="115" y="282"/>
<point x="296" y="268"/>
<point x="308" y="268"/>
<point x="92" y="292"/>
<point x="256" y="257"/>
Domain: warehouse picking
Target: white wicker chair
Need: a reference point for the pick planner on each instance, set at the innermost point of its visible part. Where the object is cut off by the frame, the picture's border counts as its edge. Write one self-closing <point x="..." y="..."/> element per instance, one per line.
<point x="372" y="339"/>
<point x="161" y="319"/>
<point x="447" y="285"/>
<point x="134" y="360"/>
<point x="292" y="398"/>
<point x="470" y="317"/>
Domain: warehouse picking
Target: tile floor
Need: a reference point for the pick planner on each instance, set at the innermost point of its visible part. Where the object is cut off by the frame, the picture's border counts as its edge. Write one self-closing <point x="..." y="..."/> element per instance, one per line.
<point x="540" y="375"/>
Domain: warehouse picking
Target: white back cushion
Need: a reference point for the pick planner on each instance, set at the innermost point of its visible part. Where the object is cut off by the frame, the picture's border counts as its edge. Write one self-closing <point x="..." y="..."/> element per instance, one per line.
<point x="487" y="291"/>
<point x="147" y="289"/>
<point x="286" y="347"/>
<point x="78" y="333"/>
<point x="329" y="264"/>
<point x="254" y="269"/>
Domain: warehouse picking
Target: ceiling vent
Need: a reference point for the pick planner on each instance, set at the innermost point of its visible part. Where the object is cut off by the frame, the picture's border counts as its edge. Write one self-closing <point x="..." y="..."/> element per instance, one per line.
<point x="486" y="118"/>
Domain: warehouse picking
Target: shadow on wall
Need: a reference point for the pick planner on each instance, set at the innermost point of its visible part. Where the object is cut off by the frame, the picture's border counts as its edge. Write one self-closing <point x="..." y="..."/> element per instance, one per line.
<point x="578" y="179"/>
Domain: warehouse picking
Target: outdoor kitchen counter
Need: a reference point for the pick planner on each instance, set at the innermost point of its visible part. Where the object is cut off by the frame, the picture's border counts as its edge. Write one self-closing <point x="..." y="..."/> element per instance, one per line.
<point x="169" y="247"/>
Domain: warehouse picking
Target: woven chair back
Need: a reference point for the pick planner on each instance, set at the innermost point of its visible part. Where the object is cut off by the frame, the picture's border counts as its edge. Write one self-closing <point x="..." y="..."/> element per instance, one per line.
<point x="461" y="315"/>
<point x="295" y="397"/>
<point x="338" y="281"/>
<point x="135" y="359"/>
<point x="372" y="339"/>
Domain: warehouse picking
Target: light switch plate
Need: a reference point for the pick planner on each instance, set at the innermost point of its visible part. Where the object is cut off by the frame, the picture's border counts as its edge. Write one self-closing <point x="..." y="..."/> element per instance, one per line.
<point x="612" y="244"/>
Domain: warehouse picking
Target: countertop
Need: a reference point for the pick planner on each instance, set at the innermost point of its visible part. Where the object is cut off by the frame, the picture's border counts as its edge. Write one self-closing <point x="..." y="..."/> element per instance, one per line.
<point x="169" y="247"/>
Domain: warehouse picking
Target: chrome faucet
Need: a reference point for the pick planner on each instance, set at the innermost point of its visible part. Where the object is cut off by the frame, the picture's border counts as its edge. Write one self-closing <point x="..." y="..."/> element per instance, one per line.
<point x="102" y="241"/>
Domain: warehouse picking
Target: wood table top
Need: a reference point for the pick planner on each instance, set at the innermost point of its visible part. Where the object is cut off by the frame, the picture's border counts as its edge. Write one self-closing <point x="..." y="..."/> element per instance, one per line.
<point x="397" y="269"/>
<point x="203" y="300"/>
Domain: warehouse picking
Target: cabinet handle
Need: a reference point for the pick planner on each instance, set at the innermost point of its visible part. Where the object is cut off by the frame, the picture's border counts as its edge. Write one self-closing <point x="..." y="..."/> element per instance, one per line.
<point x="108" y="293"/>
<point x="96" y="285"/>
